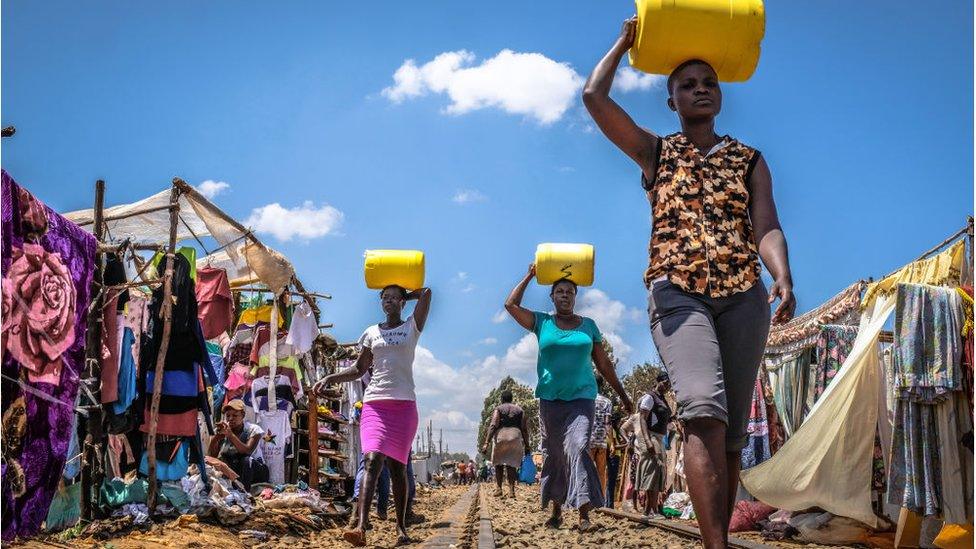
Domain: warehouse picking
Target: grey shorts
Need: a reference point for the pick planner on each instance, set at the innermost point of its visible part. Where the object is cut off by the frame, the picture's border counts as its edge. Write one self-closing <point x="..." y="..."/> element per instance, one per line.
<point x="711" y="348"/>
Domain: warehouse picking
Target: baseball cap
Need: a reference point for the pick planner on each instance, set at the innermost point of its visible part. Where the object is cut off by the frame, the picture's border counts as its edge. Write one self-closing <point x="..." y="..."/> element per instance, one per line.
<point x="236" y="404"/>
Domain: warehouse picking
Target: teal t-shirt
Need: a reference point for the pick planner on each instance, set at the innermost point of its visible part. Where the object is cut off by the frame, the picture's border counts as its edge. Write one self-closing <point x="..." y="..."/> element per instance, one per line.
<point x="565" y="365"/>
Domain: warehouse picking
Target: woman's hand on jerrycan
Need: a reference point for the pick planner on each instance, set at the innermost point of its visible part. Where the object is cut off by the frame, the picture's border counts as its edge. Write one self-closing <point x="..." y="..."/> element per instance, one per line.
<point x="627" y="33"/>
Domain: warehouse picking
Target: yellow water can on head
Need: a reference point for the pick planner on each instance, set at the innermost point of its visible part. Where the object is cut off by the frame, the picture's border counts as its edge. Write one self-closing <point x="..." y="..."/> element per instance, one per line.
<point x="403" y="268"/>
<point x="557" y="261"/>
<point x="724" y="33"/>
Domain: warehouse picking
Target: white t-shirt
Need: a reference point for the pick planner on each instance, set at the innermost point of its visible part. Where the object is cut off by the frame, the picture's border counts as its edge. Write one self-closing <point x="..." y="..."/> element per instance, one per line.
<point x="393" y="353"/>
<point x="277" y="432"/>
<point x="303" y="329"/>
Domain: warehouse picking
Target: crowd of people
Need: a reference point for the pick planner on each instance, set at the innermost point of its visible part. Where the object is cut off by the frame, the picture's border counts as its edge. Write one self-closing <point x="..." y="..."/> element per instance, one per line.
<point x="714" y="218"/>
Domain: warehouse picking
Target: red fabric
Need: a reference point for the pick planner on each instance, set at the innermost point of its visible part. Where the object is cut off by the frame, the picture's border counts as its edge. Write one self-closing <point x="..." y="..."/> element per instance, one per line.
<point x="110" y="350"/>
<point x="746" y="514"/>
<point x="182" y="425"/>
<point x="262" y="335"/>
<point x="215" y="304"/>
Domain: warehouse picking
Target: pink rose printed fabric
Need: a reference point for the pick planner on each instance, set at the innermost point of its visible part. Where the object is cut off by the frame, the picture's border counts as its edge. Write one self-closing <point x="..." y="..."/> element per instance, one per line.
<point x="47" y="264"/>
<point x="38" y="311"/>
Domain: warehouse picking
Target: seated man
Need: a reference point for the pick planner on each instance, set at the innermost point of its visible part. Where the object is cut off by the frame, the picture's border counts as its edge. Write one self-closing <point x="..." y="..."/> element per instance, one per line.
<point x="237" y="443"/>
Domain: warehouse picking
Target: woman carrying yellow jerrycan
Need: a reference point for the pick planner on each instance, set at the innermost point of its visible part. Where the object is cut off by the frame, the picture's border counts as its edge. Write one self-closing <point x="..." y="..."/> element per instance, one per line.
<point x="389" y="412"/>
<point x="713" y="218"/>
<point x="569" y="346"/>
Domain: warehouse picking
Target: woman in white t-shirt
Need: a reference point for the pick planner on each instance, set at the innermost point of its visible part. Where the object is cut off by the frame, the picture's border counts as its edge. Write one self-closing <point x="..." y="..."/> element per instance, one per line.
<point x="389" y="418"/>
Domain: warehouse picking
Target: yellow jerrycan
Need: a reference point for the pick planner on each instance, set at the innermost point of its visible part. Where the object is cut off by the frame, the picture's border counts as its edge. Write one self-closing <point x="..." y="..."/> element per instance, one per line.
<point x="400" y="267"/>
<point x="557" y="261"/>
<point x="724" y="33"/>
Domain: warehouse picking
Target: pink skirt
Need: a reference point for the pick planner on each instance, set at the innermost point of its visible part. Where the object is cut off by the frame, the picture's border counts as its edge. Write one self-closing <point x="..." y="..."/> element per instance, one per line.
<point x="388" y="427"/>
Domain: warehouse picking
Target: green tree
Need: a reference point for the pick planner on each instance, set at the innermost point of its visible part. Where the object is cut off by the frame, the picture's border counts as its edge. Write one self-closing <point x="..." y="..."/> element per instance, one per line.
<point x="524" y="396"/>
<point x="457" y="456"/>
<point x="641" y="379"/>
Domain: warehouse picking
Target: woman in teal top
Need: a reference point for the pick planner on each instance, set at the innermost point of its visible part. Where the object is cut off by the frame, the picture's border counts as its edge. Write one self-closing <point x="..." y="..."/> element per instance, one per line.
<point x="569" y="346"/>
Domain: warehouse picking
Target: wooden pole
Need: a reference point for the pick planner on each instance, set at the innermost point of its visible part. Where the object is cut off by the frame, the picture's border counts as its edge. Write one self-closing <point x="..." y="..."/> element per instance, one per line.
<point x="313" y="440"/>
<point x="93" y="347"/>
<point x="166" y="312"/>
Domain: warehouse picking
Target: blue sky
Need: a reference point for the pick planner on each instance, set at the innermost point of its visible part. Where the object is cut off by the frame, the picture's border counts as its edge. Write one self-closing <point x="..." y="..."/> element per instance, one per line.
<point x="864" y="115"/>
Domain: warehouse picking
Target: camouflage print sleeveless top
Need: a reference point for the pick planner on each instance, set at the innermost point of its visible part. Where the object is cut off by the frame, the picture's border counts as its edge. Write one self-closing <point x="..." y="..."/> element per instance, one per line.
<point x="702" y="238"/>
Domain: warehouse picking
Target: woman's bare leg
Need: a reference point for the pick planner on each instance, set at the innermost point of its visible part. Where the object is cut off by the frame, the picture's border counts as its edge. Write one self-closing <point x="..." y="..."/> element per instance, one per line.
<point x="708" y="479"/>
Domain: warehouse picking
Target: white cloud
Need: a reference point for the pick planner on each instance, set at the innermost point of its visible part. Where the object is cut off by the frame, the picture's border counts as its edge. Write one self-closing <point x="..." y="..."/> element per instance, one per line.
<point x="488" y="341"/>
<point x="452" y="397"/>
<point x="565" y="169"/>
<point x="211" y="188"/>
<point x="629" y="79"/>
<point x="469" y="196"/>
<point x="527" y="84"/>
<point x="462" y="283"/>
<point x="610" y="316"/>
<point x="519" y="360"/>
<point x="499" y="317"/>
<point x="305" y="222"/>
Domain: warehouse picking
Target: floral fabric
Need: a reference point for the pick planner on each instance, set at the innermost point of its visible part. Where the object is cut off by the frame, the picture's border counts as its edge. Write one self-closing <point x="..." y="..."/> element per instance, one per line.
<point x="833" y="345"/>
<point x="928" y="329"/>
<point x="47" y="266"/>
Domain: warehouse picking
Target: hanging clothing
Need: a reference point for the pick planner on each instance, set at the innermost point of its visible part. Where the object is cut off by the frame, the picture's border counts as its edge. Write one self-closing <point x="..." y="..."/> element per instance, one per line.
<point x="803" y="331"/>
<point x="43" y="330"/>
<point x="217" y="361"/>
<point x="277" y="435"/>
<point x="928" y="329"/>
<point x="262" y="314"/>
<point x="788" y="380"/>
<point x="927" y="378"/>
<point x="189" y="253"/>
<point x="303" y="328"/>
<point x="833" y="345"/>
<point x="214" y="301"/>
<point x="805" y="473"/>
<point x="126" y="391"/>
<point x="757" y="448"/>
<point x="172" y="459"/>
<point x="111" y="346"/>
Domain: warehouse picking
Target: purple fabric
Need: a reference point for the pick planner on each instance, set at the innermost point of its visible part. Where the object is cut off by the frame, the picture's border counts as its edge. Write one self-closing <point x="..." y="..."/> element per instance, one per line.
<point x="44" y="444"/>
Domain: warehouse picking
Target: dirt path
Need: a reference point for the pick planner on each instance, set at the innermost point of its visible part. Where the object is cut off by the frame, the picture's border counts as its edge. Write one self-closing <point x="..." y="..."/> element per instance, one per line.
<point x="272" y="530"/>
<point x="519" y="523"/>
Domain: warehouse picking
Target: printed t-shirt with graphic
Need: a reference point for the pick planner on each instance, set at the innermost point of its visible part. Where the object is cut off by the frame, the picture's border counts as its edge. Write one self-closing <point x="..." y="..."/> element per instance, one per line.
<point x="565" y="365"/>
<point x="277" y="433"/>
<point x="393" y="353"/>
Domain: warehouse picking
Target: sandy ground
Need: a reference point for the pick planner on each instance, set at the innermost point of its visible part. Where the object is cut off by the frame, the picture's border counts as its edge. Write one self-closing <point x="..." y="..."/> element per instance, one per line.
<point x="519" y="523"/>
<point x="280" y="529"/>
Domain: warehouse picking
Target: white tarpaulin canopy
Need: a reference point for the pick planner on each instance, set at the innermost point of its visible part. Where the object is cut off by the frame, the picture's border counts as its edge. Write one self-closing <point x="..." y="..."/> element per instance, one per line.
<point x="147" y="222"/>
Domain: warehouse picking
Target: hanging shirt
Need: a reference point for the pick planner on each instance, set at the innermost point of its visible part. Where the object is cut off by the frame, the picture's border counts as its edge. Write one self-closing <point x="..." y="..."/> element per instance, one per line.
<point x="565" y="365"/>
<point x="702" y="237"/>
<point x="304" y="328"/>
<point x="215" y="302"/>
<point x="393" y="353"/>
<point x="277" y="433"/>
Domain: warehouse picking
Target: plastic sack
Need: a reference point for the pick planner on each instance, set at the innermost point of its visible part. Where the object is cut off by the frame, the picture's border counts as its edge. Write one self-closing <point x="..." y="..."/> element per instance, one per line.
<point x="527" y="470"/>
